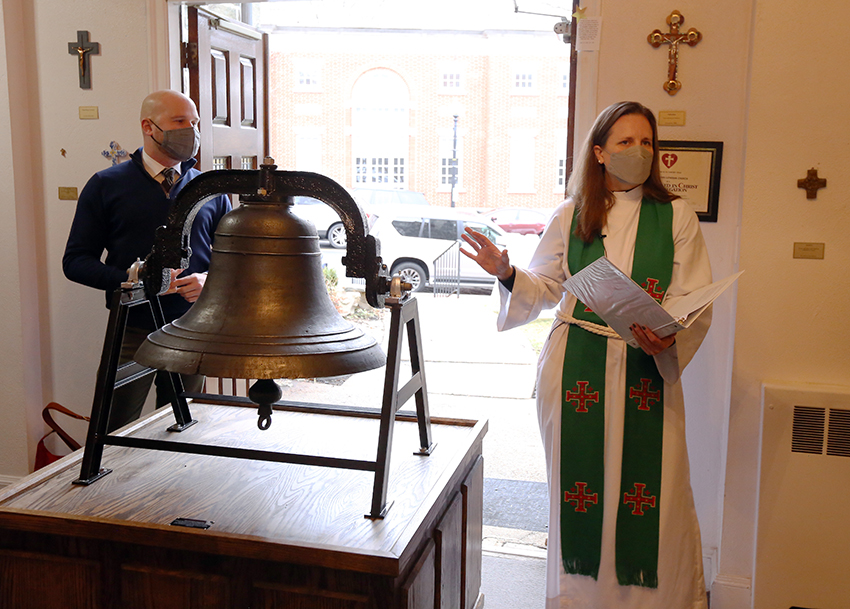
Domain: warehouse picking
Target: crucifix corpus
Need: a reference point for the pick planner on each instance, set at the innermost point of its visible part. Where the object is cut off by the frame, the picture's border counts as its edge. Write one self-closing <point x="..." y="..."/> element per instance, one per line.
<point x="84" y="49"/>
<point x="673" y="38"/>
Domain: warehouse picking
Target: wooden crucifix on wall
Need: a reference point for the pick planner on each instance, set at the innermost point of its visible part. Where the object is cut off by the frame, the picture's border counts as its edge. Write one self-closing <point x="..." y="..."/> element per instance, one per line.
<point x="811" y="183"/>
<point x="673" y="38"/>
<point x="84" y="49"/>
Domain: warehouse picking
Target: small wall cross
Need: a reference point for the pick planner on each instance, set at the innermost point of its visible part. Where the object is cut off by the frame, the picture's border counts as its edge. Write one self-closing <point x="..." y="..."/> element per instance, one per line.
<point x="811" y="183"/>
<point x="84" y="49"/>
<point x="673" y="38"/>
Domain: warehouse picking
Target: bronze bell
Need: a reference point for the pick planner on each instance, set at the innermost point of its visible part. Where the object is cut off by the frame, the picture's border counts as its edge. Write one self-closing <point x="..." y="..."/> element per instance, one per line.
<point x="265" y="312"/>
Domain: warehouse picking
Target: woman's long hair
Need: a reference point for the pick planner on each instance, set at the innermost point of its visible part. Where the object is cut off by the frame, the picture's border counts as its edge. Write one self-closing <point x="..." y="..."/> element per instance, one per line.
<point x="587" y="185"/>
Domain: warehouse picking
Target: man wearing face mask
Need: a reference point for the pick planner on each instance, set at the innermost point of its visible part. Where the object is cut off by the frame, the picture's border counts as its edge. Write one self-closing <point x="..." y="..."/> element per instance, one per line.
<point x="623" y="532"/>
<point x="119" y="211"/>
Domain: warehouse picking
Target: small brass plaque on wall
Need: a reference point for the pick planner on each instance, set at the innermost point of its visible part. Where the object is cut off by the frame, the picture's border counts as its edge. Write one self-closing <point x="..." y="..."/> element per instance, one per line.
<point x="813" y="251"/>
<point x="88" y="112"/>
<point x="67" y="193"/>
<point x="671" y="118"/>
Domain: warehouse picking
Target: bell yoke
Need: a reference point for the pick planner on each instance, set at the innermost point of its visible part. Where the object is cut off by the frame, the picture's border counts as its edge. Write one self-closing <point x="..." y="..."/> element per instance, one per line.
<point x="264" y="312"/>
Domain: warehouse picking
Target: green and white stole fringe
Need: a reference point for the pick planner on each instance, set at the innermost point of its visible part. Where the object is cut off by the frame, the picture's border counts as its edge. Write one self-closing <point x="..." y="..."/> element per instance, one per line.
<point x="583" y="421"/>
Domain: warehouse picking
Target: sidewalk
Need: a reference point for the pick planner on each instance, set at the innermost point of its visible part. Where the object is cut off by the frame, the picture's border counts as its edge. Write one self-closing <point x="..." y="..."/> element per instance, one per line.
<point x="471" y="370"/>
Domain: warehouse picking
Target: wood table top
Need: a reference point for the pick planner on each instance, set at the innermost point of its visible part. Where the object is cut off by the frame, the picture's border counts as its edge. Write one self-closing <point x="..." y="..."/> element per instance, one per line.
<point x="258" y="509"/>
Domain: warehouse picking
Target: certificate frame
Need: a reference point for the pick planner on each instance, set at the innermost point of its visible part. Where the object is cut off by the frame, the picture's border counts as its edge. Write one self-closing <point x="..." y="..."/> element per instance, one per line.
<point x="691" y="170"/>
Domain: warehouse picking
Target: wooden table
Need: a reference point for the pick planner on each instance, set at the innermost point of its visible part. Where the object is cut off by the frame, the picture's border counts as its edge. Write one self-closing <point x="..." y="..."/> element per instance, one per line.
<point x="281" y="535"/>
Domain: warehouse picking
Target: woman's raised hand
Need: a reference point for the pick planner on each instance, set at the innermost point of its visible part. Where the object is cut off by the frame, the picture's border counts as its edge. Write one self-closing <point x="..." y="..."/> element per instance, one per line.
<point x="487" y="255"/>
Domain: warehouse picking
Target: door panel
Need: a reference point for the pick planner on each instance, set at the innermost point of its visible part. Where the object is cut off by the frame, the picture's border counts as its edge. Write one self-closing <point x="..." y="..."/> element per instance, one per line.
<point x="228" y="83"/>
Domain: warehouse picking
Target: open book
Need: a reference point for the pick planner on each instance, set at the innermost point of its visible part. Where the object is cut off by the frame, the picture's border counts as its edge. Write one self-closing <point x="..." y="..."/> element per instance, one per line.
<point x="620" y="302"/>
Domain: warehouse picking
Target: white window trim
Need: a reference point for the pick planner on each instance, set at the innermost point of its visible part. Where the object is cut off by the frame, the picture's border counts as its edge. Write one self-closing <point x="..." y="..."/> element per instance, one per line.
<point x="451" y="68"/>
<point x="564" y="71"/>
<point x="302" y="135"/>
<point x="527" y="185"/>
<point x="560" y="155"/>
<point x="447" y="135"/>
<point x="525" y="68"/>
<point x="313" y="67"/>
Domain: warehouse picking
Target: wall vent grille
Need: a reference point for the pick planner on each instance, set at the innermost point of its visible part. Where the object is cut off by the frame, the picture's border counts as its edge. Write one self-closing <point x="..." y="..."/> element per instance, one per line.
<point x="838" y="439"/>
<point x="808" y="430"/>
<point x="803" y="499"/>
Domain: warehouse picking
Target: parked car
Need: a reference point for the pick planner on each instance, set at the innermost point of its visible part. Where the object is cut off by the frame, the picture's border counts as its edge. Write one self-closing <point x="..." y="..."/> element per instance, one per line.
<point x="519" y="220"/>
<point x="413" y="237"/>
<point x="327" y="222"/>
<point x="372" y="201"/>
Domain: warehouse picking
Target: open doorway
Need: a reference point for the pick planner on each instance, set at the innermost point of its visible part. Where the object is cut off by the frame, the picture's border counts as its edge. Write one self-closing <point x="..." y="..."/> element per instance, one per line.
<point x="469" y="105"/>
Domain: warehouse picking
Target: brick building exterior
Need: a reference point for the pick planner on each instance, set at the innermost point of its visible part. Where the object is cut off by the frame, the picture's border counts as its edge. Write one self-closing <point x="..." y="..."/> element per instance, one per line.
<point x="375" y="108"/>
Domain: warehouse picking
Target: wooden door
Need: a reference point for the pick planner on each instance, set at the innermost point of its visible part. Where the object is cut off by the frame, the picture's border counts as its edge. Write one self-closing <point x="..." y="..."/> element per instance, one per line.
<point x="228" y="81"/>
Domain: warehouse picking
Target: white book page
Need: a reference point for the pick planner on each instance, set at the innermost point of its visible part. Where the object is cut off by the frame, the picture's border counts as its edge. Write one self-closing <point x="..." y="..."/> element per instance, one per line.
<point x="699" y="299"/>
<point x="617" y="299"/>
<point x="620" y="302"/>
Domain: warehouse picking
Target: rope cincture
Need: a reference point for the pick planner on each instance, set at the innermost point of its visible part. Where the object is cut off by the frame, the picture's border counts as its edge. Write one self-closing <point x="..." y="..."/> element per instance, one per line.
<point x="588" y="325"/>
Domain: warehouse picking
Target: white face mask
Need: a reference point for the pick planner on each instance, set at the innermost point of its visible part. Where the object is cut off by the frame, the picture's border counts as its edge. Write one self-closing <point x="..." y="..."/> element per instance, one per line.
<point x="632" y="165"/>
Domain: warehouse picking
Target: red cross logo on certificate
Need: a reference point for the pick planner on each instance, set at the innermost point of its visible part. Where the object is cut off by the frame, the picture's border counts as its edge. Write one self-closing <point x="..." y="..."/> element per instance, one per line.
<point x="643" y="395"/>
<point x="638" y="499"/>
<point x="583" y="396"/>
<point x="650" y="287"/>
<point x="580" y="498"/>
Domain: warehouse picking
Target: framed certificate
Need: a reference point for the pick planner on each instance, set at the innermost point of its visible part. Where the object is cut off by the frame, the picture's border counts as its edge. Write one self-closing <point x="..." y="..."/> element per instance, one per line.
<point x="691" y="170"/>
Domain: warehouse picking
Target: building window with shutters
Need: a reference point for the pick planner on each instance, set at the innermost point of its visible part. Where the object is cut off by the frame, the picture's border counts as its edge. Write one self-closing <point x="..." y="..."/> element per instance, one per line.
<point x="564" y="78"/>
<point x="448" y="163"/>
<point x="308" y="76"/>
<point x="524" y="79"/>
<point x="380" y="130"/>
<point x="560" y="156"/>
<point x="308" y="149"/>
<point x="521" y="164"/>
<point x="452" y="79"/>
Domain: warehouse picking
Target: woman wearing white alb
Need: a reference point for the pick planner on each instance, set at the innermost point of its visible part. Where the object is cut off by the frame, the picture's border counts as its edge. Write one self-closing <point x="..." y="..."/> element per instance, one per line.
<point x="623" y="530"/>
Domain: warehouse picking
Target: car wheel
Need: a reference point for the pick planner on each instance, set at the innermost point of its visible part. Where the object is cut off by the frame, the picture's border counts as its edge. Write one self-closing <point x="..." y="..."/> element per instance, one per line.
<point x="336" y="236"/>
<point x="412" y="273"/>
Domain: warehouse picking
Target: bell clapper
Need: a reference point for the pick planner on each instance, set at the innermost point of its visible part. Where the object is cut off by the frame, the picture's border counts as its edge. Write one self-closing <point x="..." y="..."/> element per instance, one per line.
<point x="264" y="393"/>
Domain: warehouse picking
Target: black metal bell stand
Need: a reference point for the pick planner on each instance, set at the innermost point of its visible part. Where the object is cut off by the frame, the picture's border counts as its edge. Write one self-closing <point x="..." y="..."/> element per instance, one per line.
<point x="403" y="314"/>
<point x="171" y="251"/>
<point x="111" y="376"/>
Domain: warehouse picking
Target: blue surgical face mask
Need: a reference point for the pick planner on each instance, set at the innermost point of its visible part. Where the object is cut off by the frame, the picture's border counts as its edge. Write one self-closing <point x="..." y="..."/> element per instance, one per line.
<point x="180" y="144"/>
<point x="632" y="165"/>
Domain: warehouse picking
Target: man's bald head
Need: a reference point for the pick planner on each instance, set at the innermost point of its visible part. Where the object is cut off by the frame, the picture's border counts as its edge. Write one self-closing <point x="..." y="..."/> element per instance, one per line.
<point x="160" y="102"/>
<point x="162" y="111"/>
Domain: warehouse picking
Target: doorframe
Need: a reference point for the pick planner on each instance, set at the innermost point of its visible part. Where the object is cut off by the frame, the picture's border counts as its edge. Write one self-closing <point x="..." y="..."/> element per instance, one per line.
<point x="587" y="69"/>
<point x="164" y="70"/>
<point x="164" y="46"/>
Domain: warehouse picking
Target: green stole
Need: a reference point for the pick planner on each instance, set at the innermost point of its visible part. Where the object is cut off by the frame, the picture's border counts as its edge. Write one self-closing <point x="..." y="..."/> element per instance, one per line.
<point x="583" y="421"/>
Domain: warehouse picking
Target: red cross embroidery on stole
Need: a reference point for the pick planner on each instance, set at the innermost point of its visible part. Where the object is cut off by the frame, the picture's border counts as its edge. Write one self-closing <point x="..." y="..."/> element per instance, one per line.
<point x="644" y="395"/>
<point x="638" y="499"/>
<point x="580" y="498"/>
<point x="583" y="396"/>
<point x="650" y="286"/>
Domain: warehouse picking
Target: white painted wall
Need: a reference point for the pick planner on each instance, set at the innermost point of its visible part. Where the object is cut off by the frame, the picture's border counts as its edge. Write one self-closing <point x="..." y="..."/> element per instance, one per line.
<point x="713" y="96"/>
<point x="792" y="314"/>
<point x="53" y="329"/>
<point x="19" y="363"/>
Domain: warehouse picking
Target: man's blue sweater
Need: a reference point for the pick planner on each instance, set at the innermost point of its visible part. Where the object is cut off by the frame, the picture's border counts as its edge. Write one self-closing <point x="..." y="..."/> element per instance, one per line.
<point x="119" y="211"/>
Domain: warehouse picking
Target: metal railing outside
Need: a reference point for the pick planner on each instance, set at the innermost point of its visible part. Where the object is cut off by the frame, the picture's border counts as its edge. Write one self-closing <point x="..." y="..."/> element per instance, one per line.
<point x="447" y="271"/>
